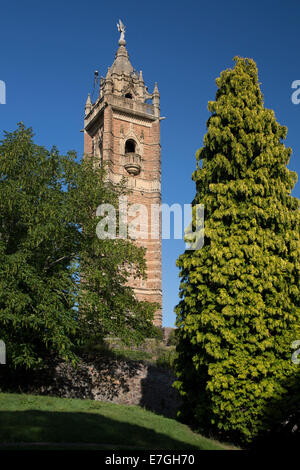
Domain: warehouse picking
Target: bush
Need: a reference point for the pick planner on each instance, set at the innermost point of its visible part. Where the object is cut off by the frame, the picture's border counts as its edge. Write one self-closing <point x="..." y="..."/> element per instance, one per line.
<point x="172" y="339"/>
<point x="166" y="359"/>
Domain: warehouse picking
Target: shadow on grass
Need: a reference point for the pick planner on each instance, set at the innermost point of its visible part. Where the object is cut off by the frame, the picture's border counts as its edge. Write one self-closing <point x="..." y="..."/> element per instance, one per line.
<point x="75" y="427"/>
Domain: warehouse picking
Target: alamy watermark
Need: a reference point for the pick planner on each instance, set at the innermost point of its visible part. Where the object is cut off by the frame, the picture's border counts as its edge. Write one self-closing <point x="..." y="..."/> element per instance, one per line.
<point x="296" y="94"/>
<point x="2" y="92"/>
<point x="2" y="352"/>
<point x="141" y="222"/>
<point x="296" y="354"/>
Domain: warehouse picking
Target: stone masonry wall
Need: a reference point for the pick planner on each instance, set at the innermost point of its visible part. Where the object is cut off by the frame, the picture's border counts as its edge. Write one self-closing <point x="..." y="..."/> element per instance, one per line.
<point x="104" y="379"/>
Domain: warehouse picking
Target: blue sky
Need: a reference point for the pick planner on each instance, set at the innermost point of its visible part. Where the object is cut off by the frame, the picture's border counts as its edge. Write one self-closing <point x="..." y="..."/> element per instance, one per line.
<point x="49" y="51"/>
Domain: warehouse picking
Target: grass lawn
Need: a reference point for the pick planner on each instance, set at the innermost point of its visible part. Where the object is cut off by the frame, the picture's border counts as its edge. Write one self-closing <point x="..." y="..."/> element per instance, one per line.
<point x="44" y="420"/>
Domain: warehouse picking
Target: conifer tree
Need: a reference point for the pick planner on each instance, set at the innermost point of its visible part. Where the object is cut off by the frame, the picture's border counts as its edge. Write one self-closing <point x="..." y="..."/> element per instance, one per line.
<point x="239" y="310"/>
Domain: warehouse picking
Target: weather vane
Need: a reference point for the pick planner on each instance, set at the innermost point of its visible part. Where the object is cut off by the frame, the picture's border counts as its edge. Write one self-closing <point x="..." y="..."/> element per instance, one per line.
<point x="121" y="29"/>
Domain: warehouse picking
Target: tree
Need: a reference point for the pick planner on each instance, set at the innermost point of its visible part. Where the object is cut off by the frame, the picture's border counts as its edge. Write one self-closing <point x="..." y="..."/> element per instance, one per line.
<point x="107" y="305"/>
<point x="239" y="310"/>
<point x="48" y="204"/>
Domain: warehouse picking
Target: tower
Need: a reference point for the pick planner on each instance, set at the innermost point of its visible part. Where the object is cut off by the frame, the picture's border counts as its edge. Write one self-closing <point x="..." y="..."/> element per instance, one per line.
<point x="123" y="129"/>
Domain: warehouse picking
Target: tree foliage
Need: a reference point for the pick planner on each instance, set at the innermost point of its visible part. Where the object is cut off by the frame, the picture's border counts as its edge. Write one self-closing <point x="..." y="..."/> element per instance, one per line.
<point x="239" y="310"/>
<point x="58" y="282"/>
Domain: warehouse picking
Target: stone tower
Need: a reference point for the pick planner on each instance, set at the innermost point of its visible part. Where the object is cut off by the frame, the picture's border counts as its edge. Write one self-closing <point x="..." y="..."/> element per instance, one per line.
<point x="122" y="128"/>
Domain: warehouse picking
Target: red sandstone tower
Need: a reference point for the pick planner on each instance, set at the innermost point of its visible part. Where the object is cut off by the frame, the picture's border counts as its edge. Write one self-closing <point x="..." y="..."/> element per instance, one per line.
<point x="121" y="128"/>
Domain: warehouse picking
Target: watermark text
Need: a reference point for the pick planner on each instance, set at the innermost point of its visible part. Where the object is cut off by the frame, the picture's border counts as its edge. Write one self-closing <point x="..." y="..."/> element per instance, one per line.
<point x="2" y="92"/>
<point x="141" y="222"/>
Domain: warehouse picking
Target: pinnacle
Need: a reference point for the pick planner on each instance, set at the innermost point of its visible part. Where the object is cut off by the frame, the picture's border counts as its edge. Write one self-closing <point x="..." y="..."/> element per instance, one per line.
<point x="88" y="103"/>
<point x="155" y="91"/>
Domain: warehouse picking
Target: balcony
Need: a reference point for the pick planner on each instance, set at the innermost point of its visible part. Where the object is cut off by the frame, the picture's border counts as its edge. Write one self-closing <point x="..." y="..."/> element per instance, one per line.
<point x="127" y="104"/>
<point x="132" y="163"/>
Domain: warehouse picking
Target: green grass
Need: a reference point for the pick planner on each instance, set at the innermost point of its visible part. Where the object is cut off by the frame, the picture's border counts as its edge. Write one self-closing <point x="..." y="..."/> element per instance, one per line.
<point x="44" y="420"/>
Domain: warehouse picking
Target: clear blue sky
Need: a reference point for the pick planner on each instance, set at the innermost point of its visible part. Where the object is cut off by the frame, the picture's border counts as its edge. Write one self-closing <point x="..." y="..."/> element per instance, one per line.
<point x="49" y="51"/>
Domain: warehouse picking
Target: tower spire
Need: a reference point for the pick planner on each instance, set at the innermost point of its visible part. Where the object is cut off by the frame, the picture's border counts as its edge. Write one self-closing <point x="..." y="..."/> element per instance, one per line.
<point x="122" y="63"/>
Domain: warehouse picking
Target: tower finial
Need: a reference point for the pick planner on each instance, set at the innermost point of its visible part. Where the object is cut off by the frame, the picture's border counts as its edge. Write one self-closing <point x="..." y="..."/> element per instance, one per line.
<point x="121" y="29"/>
<point x="155" y="91"/>
<point x="88" y="104"/>
<point x="155" y="100"/>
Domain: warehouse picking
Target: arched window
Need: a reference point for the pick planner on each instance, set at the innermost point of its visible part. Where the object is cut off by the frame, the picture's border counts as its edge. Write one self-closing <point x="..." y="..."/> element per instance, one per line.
<point x="130" y="146"/>
<point x="128" y="95"/>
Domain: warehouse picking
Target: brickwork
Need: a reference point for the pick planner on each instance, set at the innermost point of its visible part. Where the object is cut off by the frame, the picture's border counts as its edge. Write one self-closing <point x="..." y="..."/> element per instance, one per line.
<point x="121" y="115"/>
